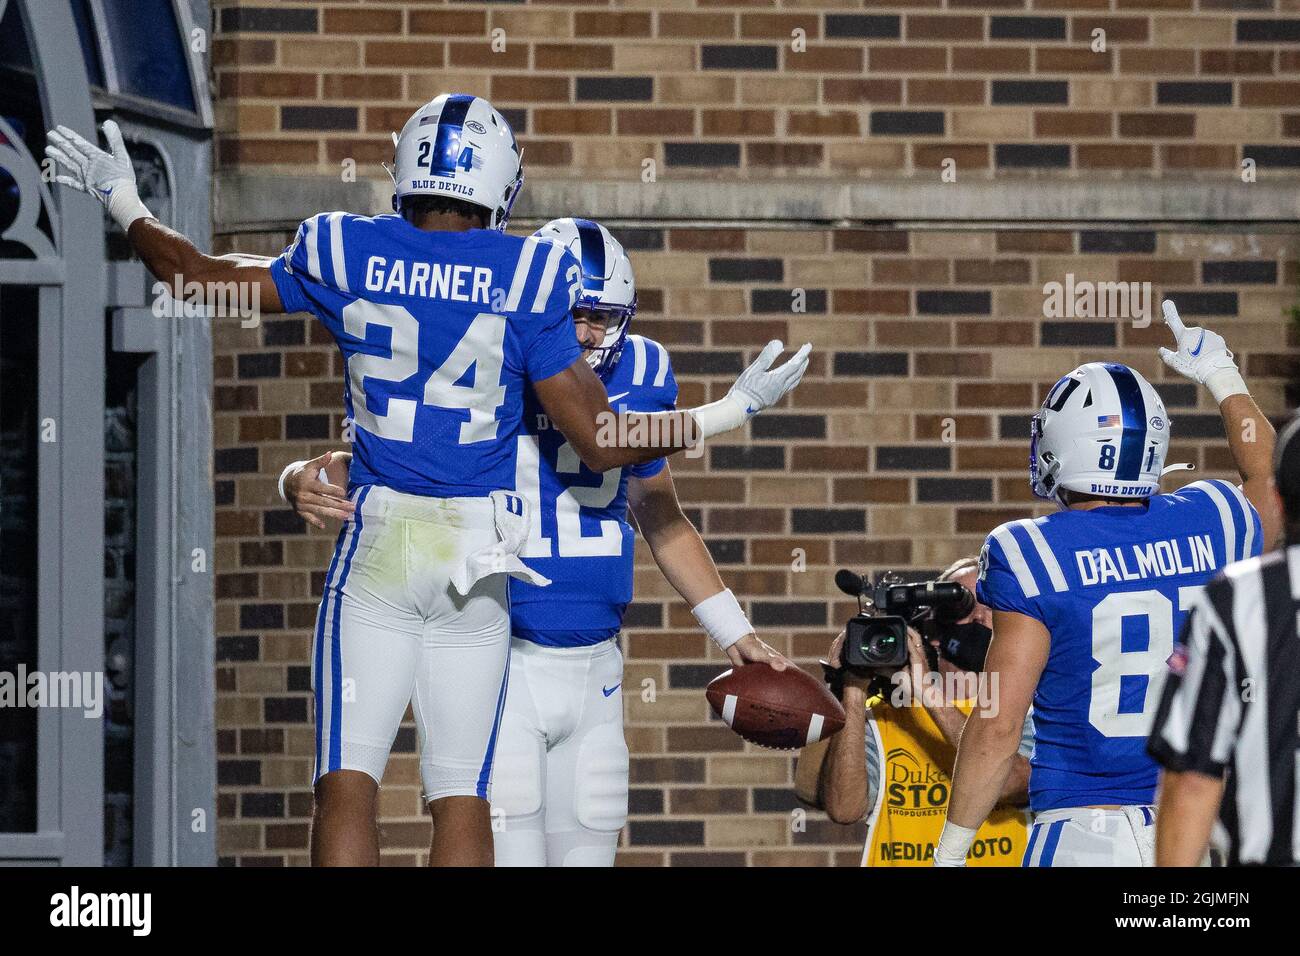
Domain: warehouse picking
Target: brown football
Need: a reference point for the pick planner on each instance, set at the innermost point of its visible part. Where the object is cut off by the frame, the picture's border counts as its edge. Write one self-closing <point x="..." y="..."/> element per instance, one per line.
<point x="785" y="710"/>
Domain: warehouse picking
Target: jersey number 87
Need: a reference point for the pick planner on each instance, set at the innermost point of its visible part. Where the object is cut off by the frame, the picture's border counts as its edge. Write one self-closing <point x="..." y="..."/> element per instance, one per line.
<point x="1119" y="665"/>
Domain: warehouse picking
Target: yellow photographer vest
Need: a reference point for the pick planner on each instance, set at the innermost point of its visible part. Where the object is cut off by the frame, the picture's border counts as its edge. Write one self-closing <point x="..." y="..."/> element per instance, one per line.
<point x="909" y="811"/>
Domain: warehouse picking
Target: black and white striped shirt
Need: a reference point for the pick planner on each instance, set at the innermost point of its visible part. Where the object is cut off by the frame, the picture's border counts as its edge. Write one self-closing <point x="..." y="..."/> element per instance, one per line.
<point x="1232" y="703"/>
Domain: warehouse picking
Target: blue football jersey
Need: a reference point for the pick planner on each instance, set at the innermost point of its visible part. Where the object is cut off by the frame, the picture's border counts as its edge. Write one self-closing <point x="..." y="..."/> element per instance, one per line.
<point x="581" y="538"/>
<point x="439" y="332"/>
<point x="1112" y="585"/>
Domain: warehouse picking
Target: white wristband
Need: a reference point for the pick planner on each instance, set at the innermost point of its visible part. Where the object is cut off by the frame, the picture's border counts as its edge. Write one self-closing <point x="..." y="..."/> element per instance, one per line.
<point x="724" y="415"/>
<point x="125" y="207"/>
<point x="1225" y="383"/>
<point x="954" y="843"/>
<point x="722" y="619"/>
<point x="285" y="474"/>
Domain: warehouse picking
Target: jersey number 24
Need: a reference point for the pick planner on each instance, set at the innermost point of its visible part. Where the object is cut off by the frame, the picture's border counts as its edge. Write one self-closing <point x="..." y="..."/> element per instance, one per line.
<point x="482" y="346"/>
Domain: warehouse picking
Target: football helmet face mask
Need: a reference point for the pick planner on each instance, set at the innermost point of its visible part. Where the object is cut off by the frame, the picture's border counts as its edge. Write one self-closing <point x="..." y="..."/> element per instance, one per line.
<point x="1102" y="430"/>
<point x="608" y="287"/>
<point x="458" y="146"/>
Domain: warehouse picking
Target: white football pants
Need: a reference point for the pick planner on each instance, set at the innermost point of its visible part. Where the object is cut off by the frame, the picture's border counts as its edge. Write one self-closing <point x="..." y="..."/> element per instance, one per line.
<point x="561" y="778"/>
<point x="1091" y="836"/>
<point x="391" y="630"/>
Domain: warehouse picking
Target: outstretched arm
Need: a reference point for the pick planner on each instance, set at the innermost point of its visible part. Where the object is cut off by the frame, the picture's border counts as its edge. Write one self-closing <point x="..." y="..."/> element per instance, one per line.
<point x="169" y="256"/>
<point x="1203" y="356"/>
<point x="577" y="403"/>
<point x="685" y="561"/>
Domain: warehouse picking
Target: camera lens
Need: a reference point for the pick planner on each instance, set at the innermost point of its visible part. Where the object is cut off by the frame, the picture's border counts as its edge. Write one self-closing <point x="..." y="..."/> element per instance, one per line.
<point x="884" y="645"/>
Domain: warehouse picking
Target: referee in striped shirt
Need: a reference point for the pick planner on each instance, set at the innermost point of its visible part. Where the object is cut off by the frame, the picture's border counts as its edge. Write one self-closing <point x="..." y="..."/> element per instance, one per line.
<point x="1228" y="727"/>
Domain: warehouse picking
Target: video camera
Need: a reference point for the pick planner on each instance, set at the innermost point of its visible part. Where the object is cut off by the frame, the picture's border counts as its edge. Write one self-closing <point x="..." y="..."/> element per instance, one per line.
<point x="875" y="639"/>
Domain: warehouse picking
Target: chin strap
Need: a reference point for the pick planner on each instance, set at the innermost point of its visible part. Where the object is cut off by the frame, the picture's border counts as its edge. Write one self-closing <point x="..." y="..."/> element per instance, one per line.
<point x="1181" y="466"/>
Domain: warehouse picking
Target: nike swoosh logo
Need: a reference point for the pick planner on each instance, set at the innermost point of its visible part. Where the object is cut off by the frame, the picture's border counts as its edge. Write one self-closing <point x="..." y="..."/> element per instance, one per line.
<point x="609" y="690"/>
<point x="1197" y="351"/>
<point x="108" y="192"/>
<point x="615" y="398"/>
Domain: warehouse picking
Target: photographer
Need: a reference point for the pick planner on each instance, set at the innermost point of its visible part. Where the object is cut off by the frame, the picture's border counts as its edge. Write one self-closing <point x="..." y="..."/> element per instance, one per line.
<point x="893" y="760"/>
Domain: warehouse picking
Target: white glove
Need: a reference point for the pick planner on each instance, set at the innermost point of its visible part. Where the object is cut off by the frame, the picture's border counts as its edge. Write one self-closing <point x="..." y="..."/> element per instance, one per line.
<point x="760" y="386"/>
<point x="109" y="177"/>
<point x="1202" y="356"/>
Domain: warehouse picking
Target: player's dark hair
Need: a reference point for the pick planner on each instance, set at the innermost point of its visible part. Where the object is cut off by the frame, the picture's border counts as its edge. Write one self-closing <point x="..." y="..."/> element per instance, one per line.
<point x="1069" y="498"/>
<point x="416" y="208"/>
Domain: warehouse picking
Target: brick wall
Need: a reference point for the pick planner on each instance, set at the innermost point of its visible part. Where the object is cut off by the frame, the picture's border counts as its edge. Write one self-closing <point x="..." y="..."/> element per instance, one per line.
<point x="809" y="87"/>
<point x="911" y="328"/>
<point x="915" y="329"/>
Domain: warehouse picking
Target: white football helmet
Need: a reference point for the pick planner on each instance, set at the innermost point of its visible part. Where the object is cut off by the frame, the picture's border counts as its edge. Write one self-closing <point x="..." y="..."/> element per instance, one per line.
<point x="458" y="146"/>
<point x="1102" y="430"/>
<point x="608" y="287"/>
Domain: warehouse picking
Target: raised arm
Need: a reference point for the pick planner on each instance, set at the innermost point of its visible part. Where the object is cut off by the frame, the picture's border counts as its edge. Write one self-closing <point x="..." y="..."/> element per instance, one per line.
<point x="1203" y="356"/>
<point x="576" y="402"/>
<point x="169" y="256"/>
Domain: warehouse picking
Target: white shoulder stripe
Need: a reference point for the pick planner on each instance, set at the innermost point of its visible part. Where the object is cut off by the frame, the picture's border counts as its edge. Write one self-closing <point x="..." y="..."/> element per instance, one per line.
<point x="522" y="268"/>
<point x="639" y="359"/>
<point x="1225" y="518"/>
<point x="313" y="247"/>
<point x="1044" y="553"/>
<point x="1248" y="510"/>
<point x="661" y="374"/>
<point x="336" y="250"/>
<point x="548" y="276"/>
<point x="1016" y="559"/>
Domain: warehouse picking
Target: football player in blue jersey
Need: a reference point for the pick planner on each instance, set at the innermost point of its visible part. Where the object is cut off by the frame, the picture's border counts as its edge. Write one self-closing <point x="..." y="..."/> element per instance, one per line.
<point x="560" y="777"/>
<point x="1087" y="602"/>
<point x="442" y="320"/>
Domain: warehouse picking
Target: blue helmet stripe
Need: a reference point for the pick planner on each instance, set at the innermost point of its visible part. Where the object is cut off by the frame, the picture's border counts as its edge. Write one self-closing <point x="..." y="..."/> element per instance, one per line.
<point x="593" y="255"/>
<point x="446" y="143"/>
<point x="1134" y="417"/>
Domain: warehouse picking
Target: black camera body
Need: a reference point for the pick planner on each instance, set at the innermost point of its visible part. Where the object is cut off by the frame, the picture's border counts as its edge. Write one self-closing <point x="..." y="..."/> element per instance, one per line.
<point x="875" y="643"/>
<point x="875" y="639"/>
